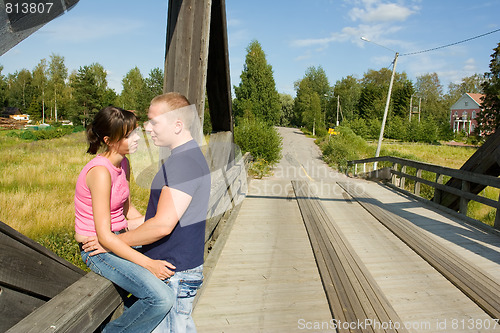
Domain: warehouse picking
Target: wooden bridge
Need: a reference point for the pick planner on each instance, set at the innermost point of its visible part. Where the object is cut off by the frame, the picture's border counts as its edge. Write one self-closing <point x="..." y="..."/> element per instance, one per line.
<point x="323" y="252"/>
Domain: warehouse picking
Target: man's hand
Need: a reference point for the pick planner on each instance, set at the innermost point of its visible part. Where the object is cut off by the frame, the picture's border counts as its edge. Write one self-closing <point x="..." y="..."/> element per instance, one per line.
<point x="93" y="246"/>
<point x="161" y="269"/>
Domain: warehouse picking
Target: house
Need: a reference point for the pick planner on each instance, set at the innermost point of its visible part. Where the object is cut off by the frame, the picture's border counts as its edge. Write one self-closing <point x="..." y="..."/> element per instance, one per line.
<point x="464" y="112"/>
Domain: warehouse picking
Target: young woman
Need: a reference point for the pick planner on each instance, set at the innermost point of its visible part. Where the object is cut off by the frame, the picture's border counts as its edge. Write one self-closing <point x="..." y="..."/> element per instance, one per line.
<point x="102" y="207"/>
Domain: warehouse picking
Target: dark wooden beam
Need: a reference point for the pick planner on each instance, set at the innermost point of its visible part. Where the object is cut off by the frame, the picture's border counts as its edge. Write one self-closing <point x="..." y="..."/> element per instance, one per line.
<point x="218" y="78"/>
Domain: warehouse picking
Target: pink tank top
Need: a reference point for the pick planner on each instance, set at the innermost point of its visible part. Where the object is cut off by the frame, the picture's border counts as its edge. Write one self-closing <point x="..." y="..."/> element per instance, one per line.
<point x="84" y="220"/>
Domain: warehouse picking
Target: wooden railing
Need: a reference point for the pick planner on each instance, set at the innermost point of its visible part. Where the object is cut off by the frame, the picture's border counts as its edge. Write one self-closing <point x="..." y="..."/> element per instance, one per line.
<point x="86" y="301"/>
<point x="397" y="171"/>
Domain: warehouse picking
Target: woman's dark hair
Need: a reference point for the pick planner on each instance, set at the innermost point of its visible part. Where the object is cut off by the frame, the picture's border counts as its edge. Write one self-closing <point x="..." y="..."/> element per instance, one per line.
<point x="113" y="122"/>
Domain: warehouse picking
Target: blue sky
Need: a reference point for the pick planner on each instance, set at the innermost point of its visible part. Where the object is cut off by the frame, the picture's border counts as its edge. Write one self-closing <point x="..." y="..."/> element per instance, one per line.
<point x="121" y="34"/>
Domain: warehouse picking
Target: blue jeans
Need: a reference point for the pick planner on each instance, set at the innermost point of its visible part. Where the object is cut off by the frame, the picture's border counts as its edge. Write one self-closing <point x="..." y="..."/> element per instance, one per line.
<point x="185" y="285"/>
<point x="154" y="298"/>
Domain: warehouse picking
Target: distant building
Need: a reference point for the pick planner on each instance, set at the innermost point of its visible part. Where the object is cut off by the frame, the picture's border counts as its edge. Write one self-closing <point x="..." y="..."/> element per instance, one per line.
<point x="464" y="112"/>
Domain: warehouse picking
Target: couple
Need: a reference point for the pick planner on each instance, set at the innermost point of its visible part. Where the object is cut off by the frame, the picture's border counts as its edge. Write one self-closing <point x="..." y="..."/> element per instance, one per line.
<point x="164" y="274"/>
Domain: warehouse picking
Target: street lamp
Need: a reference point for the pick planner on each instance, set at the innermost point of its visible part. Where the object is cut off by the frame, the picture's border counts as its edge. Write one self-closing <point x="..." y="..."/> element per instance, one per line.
<point x="381" y="136"/>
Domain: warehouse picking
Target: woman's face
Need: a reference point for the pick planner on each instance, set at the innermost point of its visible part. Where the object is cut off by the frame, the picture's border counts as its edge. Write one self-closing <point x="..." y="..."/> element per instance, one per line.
<point x="129" y="144"/>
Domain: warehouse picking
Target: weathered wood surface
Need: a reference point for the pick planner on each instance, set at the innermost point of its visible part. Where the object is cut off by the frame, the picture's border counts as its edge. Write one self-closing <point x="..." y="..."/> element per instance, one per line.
<point x="353" y="294"/>
<point x="82" y="307"/>
<point x="470" y="279"/>
<point x="186" y="58"/>
<point x="29" y="275"/>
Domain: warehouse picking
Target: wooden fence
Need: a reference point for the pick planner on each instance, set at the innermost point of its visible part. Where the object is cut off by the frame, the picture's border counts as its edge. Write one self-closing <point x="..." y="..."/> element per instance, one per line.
<point x="399" y="170"/>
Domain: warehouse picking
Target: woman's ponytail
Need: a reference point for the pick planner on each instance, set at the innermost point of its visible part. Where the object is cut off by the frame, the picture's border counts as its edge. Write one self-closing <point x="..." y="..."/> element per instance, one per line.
<point x="93" y="139"/>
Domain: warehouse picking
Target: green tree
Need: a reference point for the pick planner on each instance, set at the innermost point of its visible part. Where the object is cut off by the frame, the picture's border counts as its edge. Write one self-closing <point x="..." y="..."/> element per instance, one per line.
<point x="307" y="106"/>
<point x="489" y="117"/>
<point x="320" y="85"/>
<point x="154" y="87"/>
<point x="106" y="95"/>
<point x="133" y="96"/>
<point x="286" y="109"/>
<point x="58" y="74"/>
<point x="3" y="89"/>
<point x="429" y="88"/>
<point x="257" y="92"/>
<point x="40" y="81"/>
<point x="401" y="99"/>
<point x="302" y="101"/>
<point x="348" y="90"/>
<point x="20" y="90"/>
<point x="86" y="95"/>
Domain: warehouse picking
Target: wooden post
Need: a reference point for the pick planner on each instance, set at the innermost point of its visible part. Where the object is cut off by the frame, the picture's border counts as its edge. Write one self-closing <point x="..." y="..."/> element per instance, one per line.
<point x="402" y="180"/>
<point x="437" y="192"/>
<point x="417" y="183"/>
<point x="463" y="201"/>
<point x="186" y="58"/>
<point x="394" y="177"/>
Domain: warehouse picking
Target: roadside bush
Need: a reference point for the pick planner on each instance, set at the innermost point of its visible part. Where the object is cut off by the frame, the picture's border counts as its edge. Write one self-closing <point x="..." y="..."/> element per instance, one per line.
<point x="259" y="138"/>
<point x="344" y="147"/>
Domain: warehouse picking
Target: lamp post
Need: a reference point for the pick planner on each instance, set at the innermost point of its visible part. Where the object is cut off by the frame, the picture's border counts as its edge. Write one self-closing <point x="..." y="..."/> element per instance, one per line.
<point x="381" y="136"/>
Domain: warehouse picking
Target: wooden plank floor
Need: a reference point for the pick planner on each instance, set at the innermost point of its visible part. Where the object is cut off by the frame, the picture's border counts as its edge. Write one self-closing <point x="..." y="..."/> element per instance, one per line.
<point x="266" y="279"/>
<point x="422" y="297"/>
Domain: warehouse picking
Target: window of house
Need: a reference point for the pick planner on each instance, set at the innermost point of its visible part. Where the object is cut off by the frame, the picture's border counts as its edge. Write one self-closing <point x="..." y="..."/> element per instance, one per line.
<point x="464" y="115"/>
<point x="473" y="114"/>
<point x="466" y="103"/>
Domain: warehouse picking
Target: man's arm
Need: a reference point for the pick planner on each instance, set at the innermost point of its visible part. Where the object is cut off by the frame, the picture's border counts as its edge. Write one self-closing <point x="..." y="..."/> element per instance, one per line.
<point x="171" y="206"/>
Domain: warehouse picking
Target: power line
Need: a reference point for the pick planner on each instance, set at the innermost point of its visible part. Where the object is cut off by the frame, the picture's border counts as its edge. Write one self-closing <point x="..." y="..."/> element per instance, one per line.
<point x="442" y="47"/>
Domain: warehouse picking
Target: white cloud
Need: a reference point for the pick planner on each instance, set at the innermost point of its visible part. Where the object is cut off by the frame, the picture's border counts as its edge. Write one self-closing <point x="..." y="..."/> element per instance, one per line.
<point x="381" y="12"/>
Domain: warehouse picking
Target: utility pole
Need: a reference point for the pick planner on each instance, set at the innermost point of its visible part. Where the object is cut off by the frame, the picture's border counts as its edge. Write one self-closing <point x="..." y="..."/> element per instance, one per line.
<point x="381" y="136"/>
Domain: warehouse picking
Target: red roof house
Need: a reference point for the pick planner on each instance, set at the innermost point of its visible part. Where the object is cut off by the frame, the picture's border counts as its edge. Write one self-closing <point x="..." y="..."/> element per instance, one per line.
<point x="464" y="112"/>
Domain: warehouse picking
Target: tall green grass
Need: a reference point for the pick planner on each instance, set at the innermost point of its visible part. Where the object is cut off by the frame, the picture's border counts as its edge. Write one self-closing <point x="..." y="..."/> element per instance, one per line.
<point x="37" y="187"/>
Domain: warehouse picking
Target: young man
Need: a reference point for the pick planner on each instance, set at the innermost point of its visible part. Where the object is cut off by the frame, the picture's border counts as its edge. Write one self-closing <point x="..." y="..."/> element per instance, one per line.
<point x="174" y="227"/>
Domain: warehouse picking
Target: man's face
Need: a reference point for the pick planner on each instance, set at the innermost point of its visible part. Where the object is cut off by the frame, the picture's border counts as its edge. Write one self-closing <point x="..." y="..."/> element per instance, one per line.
<point x="160" y="126"/>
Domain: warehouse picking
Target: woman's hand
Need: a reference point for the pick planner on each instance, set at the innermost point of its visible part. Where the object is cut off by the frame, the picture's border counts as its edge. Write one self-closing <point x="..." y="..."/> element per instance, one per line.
<point x="161" y="269"/>
<point x="92" y="245"/>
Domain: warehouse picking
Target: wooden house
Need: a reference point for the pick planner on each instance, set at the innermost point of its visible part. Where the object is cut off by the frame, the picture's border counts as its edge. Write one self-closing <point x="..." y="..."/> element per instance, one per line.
<point x="464" y="112"/>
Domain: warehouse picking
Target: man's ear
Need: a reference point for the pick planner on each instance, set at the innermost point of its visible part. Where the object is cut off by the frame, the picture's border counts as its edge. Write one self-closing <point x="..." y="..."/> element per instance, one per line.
<point x="179" y="126"/>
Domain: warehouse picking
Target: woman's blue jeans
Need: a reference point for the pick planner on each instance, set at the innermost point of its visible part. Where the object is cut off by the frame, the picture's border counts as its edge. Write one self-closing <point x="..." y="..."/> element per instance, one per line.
<point x="154" y="297"/>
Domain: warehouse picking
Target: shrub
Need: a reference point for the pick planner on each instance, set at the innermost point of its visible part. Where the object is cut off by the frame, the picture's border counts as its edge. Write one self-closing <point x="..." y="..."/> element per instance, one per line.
<point x="344" y="147"/>
<point x="259" y="138"/>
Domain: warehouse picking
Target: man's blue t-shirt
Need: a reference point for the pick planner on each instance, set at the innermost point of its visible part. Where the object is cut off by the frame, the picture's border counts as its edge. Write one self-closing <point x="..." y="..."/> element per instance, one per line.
<point x="186" y="170"/>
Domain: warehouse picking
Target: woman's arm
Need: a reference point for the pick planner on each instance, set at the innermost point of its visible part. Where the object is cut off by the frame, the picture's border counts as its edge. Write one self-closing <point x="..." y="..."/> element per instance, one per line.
<point x="99" y="183"/>
<point x="134" y="217"/>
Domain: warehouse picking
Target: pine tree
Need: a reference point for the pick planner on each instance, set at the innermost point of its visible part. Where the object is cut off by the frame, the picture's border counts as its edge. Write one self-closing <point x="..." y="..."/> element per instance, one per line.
<point x="257" y="92"/>
<point x="489" y="118"/>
